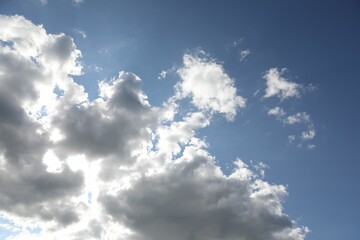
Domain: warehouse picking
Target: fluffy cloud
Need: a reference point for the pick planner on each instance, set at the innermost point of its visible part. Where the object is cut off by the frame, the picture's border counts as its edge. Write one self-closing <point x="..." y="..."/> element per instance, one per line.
<point x="117" y="167"/>
<point x="277" y="85"/>
<point x="192" y="199"/>
<point x="32" y="63"/>
<point x="209" y="86"/>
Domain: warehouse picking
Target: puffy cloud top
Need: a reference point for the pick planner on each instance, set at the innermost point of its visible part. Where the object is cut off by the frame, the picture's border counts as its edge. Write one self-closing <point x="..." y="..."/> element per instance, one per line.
<point x="279" y="86"/>
<point x="209" y="86"/>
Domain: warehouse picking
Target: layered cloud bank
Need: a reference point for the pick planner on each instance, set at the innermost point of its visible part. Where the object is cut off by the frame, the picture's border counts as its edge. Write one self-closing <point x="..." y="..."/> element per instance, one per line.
<point x="117" y="167"/>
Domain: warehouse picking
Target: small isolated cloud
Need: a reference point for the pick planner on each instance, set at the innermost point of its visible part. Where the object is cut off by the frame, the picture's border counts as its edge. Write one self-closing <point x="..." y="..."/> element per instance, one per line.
<point x="308" y="135"/>
<point x="162" y="74"/>
<point x="208" y="85"/>
<point x="277" y="85"/>
<point x="311" y="146"/>
<point x="278" y="112"/>
<point x="75" y="2"/>
<point x="97" y="68"/>
<point x="80" y="32"/>
<point x="244" y="54"/>
<point x="291" y="139"/>
<point x="301" y="117"/>
<point x="78" y="2"/>
<point x="235" y="43"/>
<point x="116" y="167"/>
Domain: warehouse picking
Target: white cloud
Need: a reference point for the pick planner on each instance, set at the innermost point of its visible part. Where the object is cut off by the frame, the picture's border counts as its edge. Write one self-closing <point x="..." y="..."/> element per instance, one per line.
<point x="311" y="146"/>
<point x="208" y="85"/>
<point x="301" y="117"/>
<point x="75" y="2"/>
<point x="308" y="135"/>
<point x="279" y="86"/>
<point x="82" y="33"/>
<point x="291" y="139"/>
<point x="244" y="54"/>
<point x="78" y="2"/>
<point x="162" y="74"/>
<point x="277" y="112"/>
<point x="298" y="118"/>
<point x="97" y="68"/>
<point x="115" y="167"/>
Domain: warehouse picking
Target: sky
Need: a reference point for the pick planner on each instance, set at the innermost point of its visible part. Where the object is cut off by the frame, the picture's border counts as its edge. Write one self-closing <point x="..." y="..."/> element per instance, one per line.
<point x="182" y="120"/>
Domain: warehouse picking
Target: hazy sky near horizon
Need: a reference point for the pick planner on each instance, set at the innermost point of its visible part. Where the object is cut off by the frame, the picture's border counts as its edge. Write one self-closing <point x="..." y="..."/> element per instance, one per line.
<point x="179" y="119"/>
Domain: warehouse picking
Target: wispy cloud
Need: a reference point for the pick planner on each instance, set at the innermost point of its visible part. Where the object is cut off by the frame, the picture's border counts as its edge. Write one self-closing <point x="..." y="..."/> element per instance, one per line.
<point x="78" y="2"/>
<point x="244" y="54"/>
<point x="82" y="33"/>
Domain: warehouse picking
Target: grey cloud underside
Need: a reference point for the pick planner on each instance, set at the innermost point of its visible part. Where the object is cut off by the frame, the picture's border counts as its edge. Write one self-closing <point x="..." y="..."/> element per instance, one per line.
<point x="169" y="194"/>
<point x="26" y="188"/>
<point x="183" y="203"/>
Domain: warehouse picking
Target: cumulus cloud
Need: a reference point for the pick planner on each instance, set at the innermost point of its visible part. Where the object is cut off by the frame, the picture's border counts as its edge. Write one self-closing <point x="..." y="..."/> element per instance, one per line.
<point x="32" y="64"/>
<point x="192" y="199"/>
<point x="116" y="167"/>
<point x="279" y="86"/>
<point x="208" y="85"/>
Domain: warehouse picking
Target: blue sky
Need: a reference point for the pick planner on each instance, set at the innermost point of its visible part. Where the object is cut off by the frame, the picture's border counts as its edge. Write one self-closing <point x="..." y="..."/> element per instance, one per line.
<point x="313" y="45"/>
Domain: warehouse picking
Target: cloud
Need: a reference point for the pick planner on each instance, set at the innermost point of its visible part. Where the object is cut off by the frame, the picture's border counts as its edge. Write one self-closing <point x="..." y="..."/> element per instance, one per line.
<point x="295" y="119"/>
<point x="301" y="117"/>
<point x="291" y="139"/>
<point x="311" y="146"/>
<point x="162" y="74"/>
<point x="244" y="54"/>
<point x="75" y="2"/>
<point x="116" y="167"/>
<point x="78" y="2"/>
<point x="192" y="199"/>
<point x="235" y="43"/>
<point x="277" y="85"/>
<point x="308" y="135"/>
<point x="80" y="32"/>
<point x="277" y="112"/>
<point x="208" y="85"/>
